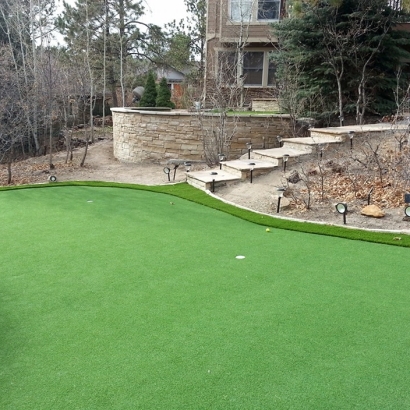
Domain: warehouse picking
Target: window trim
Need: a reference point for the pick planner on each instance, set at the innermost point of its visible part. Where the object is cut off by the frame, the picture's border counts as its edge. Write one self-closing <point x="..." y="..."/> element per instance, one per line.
<point x="265" y="72"/>
<point x="254" y="12"/>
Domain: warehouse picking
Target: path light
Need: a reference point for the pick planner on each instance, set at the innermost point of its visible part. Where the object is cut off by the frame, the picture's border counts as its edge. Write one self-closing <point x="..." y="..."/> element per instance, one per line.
<point x="285" y="161"/>
<point x="341" y="207"/>
<point x="167" y="171"/>
<point x="351" y="135"/>
<point x="279" y="140"/>
<point x="222" y="158"/>
<point x="52" y="178"/>
<point x="252" y="164"/>
<point x="249" y="146"/>
<point x="187" y="165"/>
<point x="342" y="120"/>
<point x="321" y="148"/>
<point x="280" y="192"/>
<point x="369" y="194"/>
<point x="407" y="208"/>
<point x="175" y="169"/>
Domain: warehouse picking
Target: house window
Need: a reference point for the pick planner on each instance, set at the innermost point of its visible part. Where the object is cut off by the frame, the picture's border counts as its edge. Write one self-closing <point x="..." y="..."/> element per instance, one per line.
<point x="253" y="68"/>
<point x="268" y="9"/>
<point x="256" y="69"/>
<point x="241" y="10"/>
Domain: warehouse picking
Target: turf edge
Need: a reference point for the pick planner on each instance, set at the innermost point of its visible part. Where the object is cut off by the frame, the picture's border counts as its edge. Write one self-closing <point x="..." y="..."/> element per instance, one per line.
<point x="186" y="191"/>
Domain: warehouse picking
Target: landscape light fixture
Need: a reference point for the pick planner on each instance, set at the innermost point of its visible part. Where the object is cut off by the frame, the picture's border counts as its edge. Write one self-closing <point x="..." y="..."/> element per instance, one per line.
<point x="369" y="194"/>
<point x="341" y="207"/>
<point x="321" y="148"/>
<point x="407" y="211"/>
<point x="280" y="192"/>
<point x="52" y="178"/>
<point x="222" y="158"/>
<point x="279" y="140"/>
<point x="167" y="171"/>
<point x="351" y="135"/>
<point x="285" y="161"/>
<point x="342" y="120"/>
<point x="175" y="169"/>
<point x="187" y="165"/>
<point x="252" y="164"/>
<point x="249" y="146"/>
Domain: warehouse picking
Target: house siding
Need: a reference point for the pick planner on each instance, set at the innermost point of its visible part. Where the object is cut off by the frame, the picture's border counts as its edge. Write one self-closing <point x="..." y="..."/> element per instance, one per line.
<point x="223" y="34"/>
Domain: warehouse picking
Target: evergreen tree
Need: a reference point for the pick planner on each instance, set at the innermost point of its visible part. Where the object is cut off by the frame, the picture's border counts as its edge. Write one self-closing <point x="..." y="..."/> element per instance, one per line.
<point x="343" y="54"/>
<point x="150" y="92"/>
<point x="164" y="95"/>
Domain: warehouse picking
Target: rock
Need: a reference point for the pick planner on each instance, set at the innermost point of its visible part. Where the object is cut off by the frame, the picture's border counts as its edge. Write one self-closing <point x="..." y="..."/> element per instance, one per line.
<point x="373" y="211"/>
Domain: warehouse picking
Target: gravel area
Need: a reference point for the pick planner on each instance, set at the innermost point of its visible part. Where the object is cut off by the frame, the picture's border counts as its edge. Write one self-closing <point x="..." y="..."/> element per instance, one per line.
<point x="260" y="196"/>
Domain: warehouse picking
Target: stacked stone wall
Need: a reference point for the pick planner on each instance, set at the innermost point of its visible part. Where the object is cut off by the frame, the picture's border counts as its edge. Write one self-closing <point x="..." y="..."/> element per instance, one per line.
<point x="158" y="136"/>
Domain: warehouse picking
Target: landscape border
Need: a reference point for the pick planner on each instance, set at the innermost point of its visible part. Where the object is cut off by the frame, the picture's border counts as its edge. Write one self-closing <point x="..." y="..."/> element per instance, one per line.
<point x="186" y="191"/>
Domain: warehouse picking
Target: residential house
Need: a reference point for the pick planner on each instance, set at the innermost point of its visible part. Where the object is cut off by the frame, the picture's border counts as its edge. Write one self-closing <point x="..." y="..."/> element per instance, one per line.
<point x="239" y="42"/>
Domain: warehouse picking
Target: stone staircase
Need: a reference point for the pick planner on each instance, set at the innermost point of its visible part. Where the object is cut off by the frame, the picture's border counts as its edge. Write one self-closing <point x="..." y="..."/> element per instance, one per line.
<point x="263" y="161"/>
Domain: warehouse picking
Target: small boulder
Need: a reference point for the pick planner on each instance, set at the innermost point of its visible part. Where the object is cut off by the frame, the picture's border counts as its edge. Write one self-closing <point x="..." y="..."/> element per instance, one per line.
<point x="373" y="211"/>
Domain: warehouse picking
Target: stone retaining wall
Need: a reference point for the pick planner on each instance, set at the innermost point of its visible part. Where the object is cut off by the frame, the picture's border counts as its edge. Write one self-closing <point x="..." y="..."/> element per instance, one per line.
<point x="157" y="136"/>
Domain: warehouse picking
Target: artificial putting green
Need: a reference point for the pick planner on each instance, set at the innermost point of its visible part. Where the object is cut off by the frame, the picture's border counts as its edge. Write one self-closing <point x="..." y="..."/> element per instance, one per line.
<point x="115" y="298"/>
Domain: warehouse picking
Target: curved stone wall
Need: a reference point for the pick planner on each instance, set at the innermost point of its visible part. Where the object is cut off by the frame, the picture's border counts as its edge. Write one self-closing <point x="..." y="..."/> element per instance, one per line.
<point x="156" y="136"/>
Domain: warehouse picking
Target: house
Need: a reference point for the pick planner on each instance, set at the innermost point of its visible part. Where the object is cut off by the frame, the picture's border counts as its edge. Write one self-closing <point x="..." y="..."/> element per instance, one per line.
<point x="239" y="41"/>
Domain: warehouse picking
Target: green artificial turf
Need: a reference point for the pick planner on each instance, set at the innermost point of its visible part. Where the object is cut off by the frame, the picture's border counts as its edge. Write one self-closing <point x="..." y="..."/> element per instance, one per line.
<point x="131" y="302"/>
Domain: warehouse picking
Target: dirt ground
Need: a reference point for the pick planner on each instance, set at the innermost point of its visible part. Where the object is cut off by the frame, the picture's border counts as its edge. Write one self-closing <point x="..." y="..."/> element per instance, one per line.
<point x="260" y="196"/>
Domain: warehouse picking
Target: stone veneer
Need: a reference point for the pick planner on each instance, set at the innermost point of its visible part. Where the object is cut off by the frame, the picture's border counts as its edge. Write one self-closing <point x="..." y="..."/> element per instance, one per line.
<point x="157" y="136"/>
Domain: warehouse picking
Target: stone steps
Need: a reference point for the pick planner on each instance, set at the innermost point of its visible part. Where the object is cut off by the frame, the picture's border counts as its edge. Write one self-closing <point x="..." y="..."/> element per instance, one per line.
<point x="210" y="179"/>
<point x="263" y="161"/>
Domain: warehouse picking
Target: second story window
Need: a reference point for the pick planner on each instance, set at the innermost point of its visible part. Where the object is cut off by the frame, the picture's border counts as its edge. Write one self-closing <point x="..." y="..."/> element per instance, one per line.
<point x="268" y="9"/>
<point x="241" y="10"/>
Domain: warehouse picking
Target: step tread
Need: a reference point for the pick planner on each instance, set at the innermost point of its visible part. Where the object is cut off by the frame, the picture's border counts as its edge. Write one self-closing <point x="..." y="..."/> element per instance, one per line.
<point x="207" y="176"/>
<point x="311" y="140"/>
<point x="243" y="165"/>
<point x="278" y="153"/>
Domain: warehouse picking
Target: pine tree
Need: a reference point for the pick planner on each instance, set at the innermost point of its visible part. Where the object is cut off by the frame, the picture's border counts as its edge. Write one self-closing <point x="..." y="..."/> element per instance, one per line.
<point x="164" y="95"/>
<point x="150" y="92"/>
<point x="343" y="54"/>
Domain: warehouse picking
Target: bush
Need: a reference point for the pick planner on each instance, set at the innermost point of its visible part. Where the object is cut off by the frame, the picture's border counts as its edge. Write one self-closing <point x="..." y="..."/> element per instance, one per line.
<point x="164" y="95"/>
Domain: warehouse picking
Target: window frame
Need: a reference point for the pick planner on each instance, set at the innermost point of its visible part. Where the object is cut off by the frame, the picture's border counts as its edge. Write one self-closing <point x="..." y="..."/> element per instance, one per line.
<point x="254" y="11"/>
<point x="279" y="2"/>
<point x="265" y="66"/>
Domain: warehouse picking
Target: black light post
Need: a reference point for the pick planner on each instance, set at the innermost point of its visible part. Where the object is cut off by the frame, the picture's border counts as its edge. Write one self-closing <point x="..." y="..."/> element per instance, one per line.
<point x="222" y="158"/>
<point x="285" y="161"/>
<point x="167" y="171"/>
<point x="407" y="208"/>
<point x="341" y="207"/>
<point x="249" y="146"/>
<point x="187" y="166"/>
<point x="342" y="120"/>
<point x="280" y="192"/>
<point x="279" y="138"/>
<point x="320" y="146"/>
<point x="351" y="135"/>
<point x="369" y="194"/>
<point x="252" y="164"/>
<point x="175" y="169"/>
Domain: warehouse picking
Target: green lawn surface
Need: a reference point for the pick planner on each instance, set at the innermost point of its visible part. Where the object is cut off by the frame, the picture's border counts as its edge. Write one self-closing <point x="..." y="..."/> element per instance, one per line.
<point x="115" y="298"/>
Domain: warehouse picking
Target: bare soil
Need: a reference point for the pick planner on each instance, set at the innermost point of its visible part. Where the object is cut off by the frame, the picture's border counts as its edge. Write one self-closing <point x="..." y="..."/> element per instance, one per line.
<point x="100" y="165"/>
